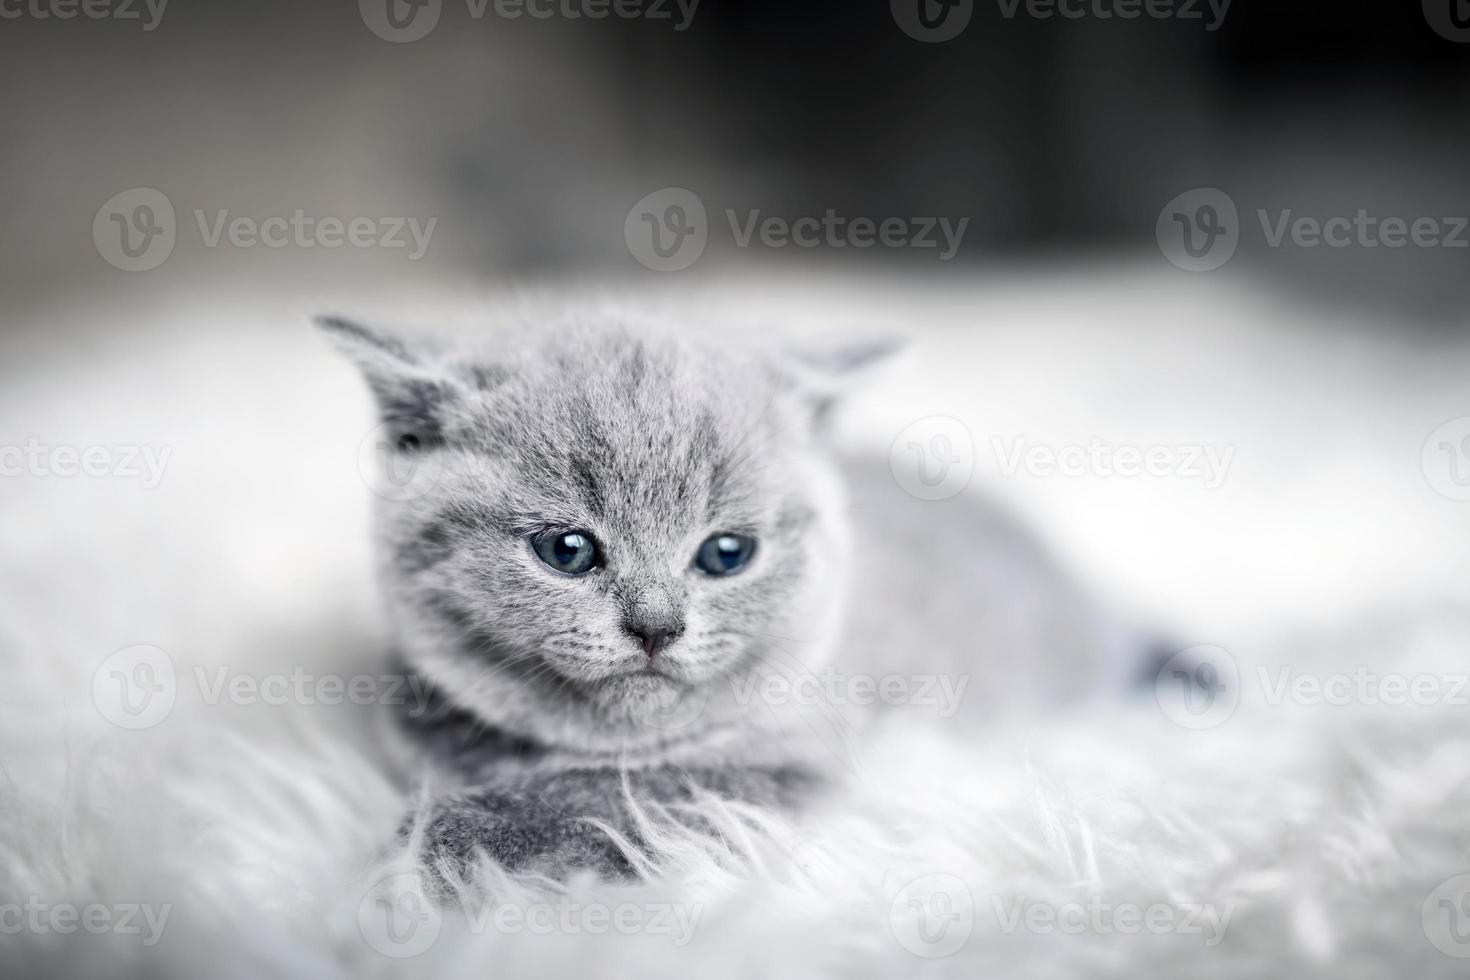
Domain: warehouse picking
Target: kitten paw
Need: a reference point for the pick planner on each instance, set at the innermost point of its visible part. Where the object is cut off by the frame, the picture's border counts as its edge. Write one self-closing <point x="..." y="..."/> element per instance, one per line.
<point x="519" y="832"/>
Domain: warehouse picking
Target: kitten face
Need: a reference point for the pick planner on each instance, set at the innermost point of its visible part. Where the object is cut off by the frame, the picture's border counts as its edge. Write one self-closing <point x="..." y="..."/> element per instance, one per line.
<point x="644" y="447"/>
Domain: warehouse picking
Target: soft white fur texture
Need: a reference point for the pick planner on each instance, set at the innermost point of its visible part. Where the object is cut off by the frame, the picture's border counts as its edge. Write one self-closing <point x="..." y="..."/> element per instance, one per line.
<point x="1322" y="829"/>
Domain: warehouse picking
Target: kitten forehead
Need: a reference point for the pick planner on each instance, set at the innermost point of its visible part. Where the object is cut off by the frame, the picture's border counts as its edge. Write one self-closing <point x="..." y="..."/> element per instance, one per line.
<point x="631" y="428"/>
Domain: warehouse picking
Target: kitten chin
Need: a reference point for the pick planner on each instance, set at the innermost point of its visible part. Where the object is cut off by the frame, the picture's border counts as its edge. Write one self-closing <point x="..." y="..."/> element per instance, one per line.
<point x="641" y="696"/>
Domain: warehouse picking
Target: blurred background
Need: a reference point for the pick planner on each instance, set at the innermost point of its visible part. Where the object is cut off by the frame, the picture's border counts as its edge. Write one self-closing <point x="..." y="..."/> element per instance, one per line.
<point x="530" y="138"/>
<point x="494" y="154"/>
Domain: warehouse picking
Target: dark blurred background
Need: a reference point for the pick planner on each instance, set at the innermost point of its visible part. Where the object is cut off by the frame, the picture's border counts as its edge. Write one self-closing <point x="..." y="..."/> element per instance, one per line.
<point x="530" y="139"/>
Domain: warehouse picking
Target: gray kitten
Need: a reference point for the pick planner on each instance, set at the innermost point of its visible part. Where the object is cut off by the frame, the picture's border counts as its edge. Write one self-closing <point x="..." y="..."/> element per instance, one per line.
<point x="618" y="533"/>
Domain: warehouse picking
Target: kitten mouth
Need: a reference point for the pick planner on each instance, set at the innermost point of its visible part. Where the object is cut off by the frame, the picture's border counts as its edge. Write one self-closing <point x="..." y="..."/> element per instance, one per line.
<point x="651" y="678"/>
<point x="668" y="673"/>
<point x="637" y="692"/>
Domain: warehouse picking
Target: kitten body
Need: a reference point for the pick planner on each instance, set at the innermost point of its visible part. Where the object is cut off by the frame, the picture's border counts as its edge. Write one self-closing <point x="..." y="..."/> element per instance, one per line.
<point x="547" y="709"/>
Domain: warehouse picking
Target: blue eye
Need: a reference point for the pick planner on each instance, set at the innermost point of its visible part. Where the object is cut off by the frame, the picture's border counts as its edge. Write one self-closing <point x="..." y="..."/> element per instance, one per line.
<point x="569" y="552"/>
<point x="724" y="554"/>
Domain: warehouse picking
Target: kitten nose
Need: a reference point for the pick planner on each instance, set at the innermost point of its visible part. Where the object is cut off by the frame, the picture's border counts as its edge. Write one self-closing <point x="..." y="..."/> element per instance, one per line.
<point x="654" y="637"/>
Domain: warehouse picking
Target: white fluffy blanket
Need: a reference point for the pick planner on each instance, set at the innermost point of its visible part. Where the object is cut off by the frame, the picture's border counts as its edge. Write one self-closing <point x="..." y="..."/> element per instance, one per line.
<point x="1298" y="837"/>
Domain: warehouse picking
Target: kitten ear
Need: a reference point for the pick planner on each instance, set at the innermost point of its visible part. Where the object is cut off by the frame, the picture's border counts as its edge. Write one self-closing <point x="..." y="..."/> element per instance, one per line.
<point x="823" y="376"/>
<point x="403" y="380"/>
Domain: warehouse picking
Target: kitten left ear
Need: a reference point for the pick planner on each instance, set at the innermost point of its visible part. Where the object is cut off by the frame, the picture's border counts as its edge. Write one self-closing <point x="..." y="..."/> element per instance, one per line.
<point x="403" y="380"/>
<point x="824" y="376"/>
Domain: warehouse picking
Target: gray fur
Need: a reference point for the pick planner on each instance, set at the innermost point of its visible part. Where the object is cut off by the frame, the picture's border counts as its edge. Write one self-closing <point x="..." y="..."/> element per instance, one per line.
<point x="653" y="442"/>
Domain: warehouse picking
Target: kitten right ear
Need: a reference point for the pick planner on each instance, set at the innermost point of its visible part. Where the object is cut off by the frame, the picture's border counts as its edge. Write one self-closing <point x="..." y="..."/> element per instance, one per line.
<point x="405" y="385"/>
<point x="823" y="375"/>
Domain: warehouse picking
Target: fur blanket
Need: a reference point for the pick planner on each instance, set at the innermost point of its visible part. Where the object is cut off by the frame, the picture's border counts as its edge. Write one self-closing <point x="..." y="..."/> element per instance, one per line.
<point x="1316" y="824"/>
